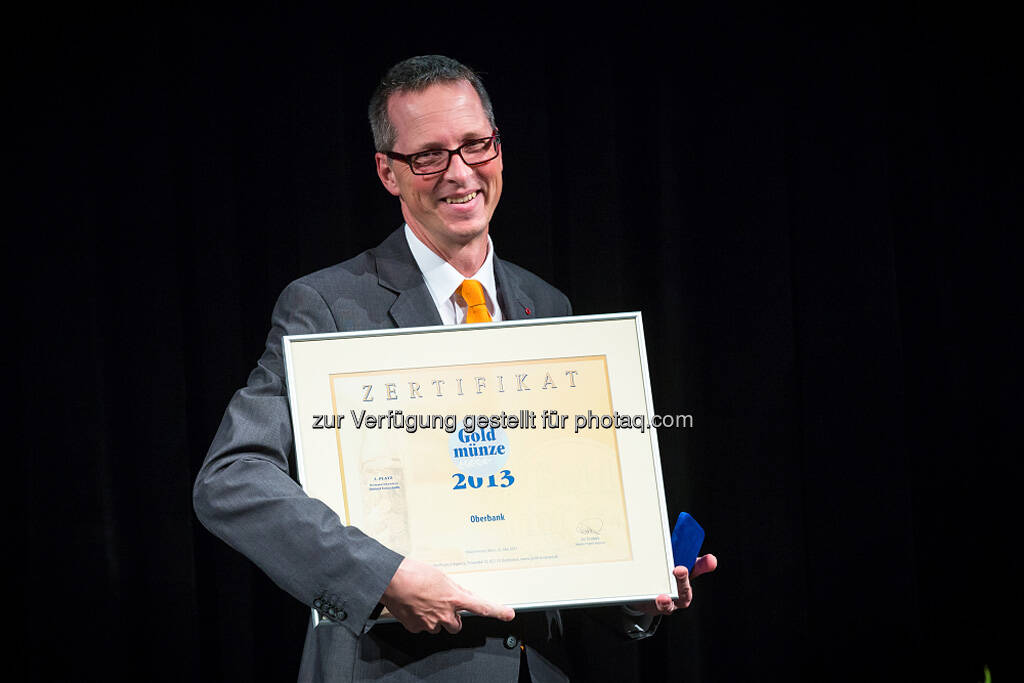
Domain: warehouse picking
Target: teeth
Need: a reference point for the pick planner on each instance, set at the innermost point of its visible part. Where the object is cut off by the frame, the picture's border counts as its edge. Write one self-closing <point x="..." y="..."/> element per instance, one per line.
<point x="468" y="197"/>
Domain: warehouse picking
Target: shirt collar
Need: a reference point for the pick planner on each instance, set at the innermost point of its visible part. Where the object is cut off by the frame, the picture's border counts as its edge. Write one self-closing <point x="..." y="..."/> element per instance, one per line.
<point x="441" y="277"/>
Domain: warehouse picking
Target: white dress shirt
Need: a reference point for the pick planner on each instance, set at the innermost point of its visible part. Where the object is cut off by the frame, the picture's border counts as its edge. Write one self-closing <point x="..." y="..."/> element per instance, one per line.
<point x="442" y="280"/>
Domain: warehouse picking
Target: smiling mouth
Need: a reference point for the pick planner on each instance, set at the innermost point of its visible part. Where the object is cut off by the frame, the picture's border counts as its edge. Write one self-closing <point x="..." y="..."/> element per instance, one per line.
<point x="461" y="200"/>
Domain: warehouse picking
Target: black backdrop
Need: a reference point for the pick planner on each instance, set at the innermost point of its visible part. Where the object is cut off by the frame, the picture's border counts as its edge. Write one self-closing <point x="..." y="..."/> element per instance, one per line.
<point x="816" y="214"/>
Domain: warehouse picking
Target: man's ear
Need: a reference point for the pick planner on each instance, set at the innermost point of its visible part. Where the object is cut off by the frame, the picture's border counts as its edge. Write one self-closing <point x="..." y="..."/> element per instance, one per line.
<point x="386" y="174"/>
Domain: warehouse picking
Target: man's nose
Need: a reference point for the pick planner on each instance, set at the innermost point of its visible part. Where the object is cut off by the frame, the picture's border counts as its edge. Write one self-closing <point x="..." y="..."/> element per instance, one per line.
<point x="458" y="168"/>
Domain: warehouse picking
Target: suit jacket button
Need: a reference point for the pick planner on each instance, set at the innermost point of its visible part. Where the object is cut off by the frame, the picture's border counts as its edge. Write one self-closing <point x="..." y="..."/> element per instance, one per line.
<point x="511" y="642"/>
<point x="341" y="615"/>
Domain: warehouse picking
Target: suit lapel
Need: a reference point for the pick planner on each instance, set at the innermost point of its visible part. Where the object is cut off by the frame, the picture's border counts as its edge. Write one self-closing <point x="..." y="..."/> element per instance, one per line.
<point x="515" y="303"/>
<point x="397" y="271"/>
<point x="415" y="308"/>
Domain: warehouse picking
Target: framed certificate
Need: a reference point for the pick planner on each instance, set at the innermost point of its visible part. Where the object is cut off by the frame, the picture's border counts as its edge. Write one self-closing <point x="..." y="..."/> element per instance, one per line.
<point x="517" y="456"/>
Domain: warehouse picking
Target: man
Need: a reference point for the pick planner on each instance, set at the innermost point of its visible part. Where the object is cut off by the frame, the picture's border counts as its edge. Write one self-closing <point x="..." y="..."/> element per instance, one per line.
<point x="440" y="154"/>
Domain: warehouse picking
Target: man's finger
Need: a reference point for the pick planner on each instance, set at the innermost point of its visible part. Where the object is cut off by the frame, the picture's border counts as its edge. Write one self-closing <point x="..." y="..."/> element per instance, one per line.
<point x="483" y="608"/>
<point x="704" y="564"/>
<point x="683" y="584"/>
<point x="453" y="625"/>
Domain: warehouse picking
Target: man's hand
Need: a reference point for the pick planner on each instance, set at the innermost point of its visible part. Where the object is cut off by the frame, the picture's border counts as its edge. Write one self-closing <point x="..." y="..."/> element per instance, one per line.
<point x="423" y="598"/>
<point x="666" y="605"/>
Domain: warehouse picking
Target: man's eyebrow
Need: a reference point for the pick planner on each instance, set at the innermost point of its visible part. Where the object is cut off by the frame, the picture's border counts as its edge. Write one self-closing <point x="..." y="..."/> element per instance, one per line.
<point x="427" y="146"/>
<point x="478" y="135"/>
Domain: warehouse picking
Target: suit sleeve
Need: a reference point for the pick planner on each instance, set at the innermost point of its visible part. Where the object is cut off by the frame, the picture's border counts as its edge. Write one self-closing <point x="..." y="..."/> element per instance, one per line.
<point x="245" y="494"/>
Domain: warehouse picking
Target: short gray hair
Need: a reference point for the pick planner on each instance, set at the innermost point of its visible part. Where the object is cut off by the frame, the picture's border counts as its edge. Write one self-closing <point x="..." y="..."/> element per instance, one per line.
<point x="416" y="74"/>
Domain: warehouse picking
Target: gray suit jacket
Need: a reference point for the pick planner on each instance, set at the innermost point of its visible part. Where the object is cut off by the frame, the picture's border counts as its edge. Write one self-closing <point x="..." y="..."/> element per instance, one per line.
<point x="245" y="492"/>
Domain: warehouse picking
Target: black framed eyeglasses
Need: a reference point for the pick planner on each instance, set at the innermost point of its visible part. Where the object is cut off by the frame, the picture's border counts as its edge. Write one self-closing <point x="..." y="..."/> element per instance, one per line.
<point x="473" y="153"/>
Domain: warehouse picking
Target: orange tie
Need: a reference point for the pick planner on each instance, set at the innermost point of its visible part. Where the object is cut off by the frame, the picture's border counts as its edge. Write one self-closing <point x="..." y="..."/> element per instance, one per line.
<point x="472" y="292"/>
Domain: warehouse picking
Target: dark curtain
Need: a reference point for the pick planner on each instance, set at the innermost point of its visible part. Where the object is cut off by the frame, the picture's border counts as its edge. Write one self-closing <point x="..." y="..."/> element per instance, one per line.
<point x="818" y="215"/>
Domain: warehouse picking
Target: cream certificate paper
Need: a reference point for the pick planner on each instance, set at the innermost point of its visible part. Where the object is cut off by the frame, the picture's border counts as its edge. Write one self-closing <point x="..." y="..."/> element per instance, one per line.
<point x="510" y="455"/>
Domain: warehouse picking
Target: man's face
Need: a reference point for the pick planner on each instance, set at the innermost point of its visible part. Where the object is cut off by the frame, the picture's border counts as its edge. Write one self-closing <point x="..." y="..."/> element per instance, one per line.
<point x="450" y="209"/>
